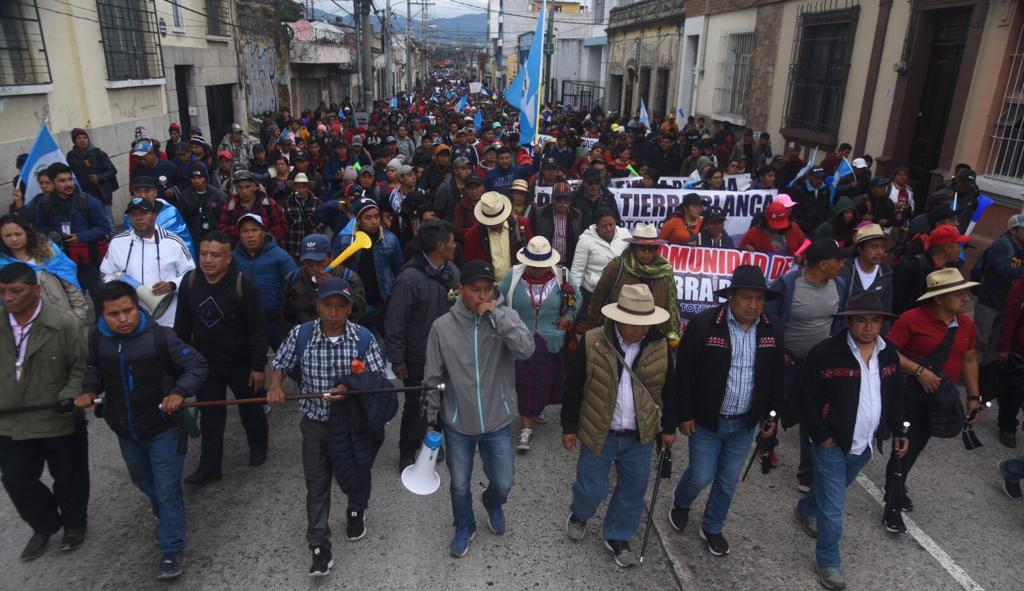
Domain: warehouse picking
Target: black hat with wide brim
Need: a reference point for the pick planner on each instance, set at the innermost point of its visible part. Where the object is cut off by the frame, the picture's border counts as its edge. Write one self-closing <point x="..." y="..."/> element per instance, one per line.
<point x="865" y="303"/>
<point x="748" y="277"/>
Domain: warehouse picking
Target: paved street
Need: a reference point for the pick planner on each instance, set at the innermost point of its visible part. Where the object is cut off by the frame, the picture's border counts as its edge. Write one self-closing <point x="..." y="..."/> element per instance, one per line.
<point x="248" y="530"/>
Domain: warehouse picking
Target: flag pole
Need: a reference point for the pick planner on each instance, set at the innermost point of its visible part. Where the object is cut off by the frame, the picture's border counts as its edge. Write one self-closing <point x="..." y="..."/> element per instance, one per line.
<point x="540" y="87"/>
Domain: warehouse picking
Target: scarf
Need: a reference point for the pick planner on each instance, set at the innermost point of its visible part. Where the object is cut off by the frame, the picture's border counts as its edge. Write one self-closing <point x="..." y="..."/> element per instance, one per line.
<point x="659" y="268"/>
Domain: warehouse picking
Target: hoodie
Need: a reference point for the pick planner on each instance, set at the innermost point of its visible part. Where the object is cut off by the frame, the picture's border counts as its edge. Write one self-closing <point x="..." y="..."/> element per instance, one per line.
<point x="267" y="267"/>
<point x="475" y="362"/>
<point x="833" y="228"/>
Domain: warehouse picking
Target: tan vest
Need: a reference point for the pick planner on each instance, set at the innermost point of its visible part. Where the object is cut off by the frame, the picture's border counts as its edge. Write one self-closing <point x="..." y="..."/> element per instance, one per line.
<point x="601" y="388"/>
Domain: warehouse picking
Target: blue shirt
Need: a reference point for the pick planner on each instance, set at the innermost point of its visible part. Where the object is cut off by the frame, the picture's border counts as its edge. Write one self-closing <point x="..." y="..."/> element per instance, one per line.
<point x="739" y="386"/>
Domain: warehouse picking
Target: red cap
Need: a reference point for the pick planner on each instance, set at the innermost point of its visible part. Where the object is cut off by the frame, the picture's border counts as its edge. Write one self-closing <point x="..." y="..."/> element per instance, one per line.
<point x="946" y="235"/>
<point x="225" y="154"/>
<point x="175" y="126"/>
<point x="777" y="216"/>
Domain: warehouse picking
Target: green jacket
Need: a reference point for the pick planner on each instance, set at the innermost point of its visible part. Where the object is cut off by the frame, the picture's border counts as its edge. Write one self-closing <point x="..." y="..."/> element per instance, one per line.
<point x="53" y="370"/>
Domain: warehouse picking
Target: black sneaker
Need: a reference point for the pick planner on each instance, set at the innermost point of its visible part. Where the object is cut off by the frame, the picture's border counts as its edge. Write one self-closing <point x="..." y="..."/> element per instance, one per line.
<point x="678" y="517"/>
<point x="171" y="566"/>
<point x="356" y="527"/>
<point x="1010" y="487"/>
<point x="624" y="557"/>
<point x="257" y="457"/>
<point x="716" y="542"/>
<point x="201" y="478"/>
<point x="405" y="460"/>
<point x="893" y="521"/>
<point x="322" y="562"/>
<point x="908" y="505"/>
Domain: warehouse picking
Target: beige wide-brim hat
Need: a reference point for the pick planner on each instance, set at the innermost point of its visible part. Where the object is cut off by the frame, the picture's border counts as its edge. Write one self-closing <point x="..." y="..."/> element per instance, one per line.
<point x="873" y="232"/>
<point x="538" y="253"/>
<point x="945" y="281"/>
<point x="645" y="235"/>
<point x="492" y="209"/>
<point x="636" y="307"/>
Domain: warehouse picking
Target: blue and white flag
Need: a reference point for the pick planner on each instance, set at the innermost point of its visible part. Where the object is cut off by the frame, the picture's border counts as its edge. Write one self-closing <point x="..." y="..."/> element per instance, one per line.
<point x="803" y="171"/>
<point x="843" y="170"/>
<point x="463" y="103"/>
<point x="478" y="121"/>
<point x="394" y="102"/>
<point x="645" y="120"/>
<point x="983" y="203"/>
<point x="530" y="103"/>
<point x="682" y="113"/>
<point x="514" y="92"/>
<point x="45" y="151"/>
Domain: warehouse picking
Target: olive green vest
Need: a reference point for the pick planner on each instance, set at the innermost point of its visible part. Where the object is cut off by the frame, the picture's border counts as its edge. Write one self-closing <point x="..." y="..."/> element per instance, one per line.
<point x="600" y="390"/>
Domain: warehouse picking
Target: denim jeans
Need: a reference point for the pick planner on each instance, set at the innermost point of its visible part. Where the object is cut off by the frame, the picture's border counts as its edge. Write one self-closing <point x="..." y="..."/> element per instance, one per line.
<point x="791" y="381"/>
<point x="718" y="457"/>
<point x="499" y="461"/>
<point x="155" y="467"/>
<point x="1013" y="469"/>
<point x="833" y="473"/>
<point x="632" y="461"/>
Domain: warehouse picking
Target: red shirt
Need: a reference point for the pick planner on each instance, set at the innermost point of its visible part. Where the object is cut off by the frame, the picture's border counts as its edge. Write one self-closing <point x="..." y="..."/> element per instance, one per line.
<point x="918" y="331"/>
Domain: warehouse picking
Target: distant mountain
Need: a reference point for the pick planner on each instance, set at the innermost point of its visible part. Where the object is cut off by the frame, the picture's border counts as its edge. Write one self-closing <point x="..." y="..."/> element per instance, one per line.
<point x="470" y="27"/>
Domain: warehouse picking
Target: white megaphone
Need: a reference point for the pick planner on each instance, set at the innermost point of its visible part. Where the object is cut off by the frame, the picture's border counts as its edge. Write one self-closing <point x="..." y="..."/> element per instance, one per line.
<point x="421" y="478"/>
<point x="155" y="305"/>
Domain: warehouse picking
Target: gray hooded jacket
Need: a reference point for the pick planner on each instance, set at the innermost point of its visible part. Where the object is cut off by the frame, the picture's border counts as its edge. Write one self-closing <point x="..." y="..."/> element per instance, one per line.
<point x="474" y="361"/>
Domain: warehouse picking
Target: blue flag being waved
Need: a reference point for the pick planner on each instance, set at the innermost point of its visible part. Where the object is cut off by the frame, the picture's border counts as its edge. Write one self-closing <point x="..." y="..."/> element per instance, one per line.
<point x="45" y="151"/>
<point x="645" y="120"/>
<point x="532" y="77"/>
<point x="394" y="102"/>
<point x="478" y="121"/>
<point x="463" y="103"/>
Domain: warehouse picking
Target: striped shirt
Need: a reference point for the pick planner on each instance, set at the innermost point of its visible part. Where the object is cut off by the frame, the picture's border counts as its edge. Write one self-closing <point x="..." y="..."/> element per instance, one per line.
<point x="739" y="386"/>
<point x="324" y="363"/>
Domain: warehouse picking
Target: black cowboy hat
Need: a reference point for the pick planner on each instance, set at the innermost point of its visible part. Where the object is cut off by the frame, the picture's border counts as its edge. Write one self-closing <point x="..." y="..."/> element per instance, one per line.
<point x="748" y="277"/>
<point x="865" y="303"/>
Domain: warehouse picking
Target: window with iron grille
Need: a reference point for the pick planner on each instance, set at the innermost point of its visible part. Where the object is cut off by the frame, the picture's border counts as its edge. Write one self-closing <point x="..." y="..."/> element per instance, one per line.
<point x="131" y="43"/>
<point x="22" y="50"/>
<point x="818" y="74"/>
<point x="218" y="18"/>
<point x="1006" y="160"/>
<point x="733" y="81"/>
<point x="177" y="14"/>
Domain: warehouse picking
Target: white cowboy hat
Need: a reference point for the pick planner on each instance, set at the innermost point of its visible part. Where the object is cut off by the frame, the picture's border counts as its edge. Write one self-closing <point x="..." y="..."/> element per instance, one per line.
<point x="873" y="232"/>
<point x="538" y="253"/>
<point x="492" y="209"/>
<point x="636" y="307"/>
<point x="945" y="281"/>
<point x="645" y="235"/>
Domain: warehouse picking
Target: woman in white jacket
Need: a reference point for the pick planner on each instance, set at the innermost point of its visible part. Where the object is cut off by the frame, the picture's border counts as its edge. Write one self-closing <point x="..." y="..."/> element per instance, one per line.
<point x="599" y="244"/>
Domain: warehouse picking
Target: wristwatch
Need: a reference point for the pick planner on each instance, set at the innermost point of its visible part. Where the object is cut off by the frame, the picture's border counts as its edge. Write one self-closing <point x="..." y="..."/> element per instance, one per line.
<point x="974" y="398"/>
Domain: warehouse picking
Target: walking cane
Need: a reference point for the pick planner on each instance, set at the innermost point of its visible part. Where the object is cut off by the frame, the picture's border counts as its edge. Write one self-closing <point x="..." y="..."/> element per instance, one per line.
<point x="263" y="399"/>
<point x="654" y="500"/>
<point x="64" y="406"/>
<point x="971" y="440"/>
<point x="762" y="449"/>
<point x="895" y="500"/>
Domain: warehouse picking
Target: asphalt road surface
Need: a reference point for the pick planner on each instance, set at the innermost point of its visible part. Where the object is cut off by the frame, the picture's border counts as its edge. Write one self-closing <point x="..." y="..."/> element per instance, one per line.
<point x="247" y="531"/>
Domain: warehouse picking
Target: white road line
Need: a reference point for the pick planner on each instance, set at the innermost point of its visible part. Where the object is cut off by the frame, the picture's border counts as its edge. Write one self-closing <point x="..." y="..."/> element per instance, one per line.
<point x="925" y="541"/>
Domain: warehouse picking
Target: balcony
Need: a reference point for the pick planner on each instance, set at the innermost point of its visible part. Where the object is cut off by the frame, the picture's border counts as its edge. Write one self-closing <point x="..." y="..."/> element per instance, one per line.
<point x="646" y="13"/>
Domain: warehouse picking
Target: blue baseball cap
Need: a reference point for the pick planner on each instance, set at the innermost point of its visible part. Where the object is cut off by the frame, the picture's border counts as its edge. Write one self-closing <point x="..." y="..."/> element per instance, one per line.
<point x="335" y="286"/>
<point x="143" y="148"/>
<point x="315" y="247"/>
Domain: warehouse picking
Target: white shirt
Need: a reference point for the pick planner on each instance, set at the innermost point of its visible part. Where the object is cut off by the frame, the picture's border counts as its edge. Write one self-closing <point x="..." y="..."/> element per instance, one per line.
<point x="866" y="279"/>
<point x="625" y="411"/>
<point x="869" y="409"/>
<point x="21" y="338"/>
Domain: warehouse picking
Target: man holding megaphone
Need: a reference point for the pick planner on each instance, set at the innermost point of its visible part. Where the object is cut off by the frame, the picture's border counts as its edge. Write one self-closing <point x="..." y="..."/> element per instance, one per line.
<point x="150" y="258"/>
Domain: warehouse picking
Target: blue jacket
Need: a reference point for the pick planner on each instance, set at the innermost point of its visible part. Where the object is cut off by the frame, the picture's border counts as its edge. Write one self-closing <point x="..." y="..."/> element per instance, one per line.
<point x="501" y="180"/>
<point x="786" y="285"/>
<point x="332" y="167"/>
<point x="89" y="221"/>
<point x="387" y="255"/>
<point x="169" y="218"/>
<point x="1003" y="263"/>
<point x="329" y="214"/>
<point x="267" y="268"/>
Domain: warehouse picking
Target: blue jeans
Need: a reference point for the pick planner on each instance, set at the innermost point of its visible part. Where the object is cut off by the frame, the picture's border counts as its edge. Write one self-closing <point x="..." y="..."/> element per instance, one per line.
<point x="833" y="472"/>
<point x="791" y="386"/>
<point x="632" y="461"/>
<point x="155" y="467"/>
<point x="719" y="457"/>
<point x="499" y="461"/>
<point x="1013" y="469"/>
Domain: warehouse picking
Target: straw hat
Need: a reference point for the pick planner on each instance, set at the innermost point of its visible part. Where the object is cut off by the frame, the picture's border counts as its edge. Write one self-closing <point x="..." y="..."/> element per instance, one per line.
<point x="645" y="235"/>
<point x="538" y="253"/>
<point x="945" y="281"/>
<point x="636" y="307"/>
<point x="520" y="185"/>
<point x="872" y="232"/>
<point x="492" y="209"/>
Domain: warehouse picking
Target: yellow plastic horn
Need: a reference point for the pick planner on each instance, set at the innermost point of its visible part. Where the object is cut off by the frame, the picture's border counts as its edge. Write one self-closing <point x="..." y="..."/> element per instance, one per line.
<point x="361" y="241"/>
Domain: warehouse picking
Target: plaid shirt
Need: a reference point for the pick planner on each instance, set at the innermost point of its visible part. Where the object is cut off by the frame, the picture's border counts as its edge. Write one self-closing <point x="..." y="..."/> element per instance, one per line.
<point x="559" y="239"/>
<point x="739" y="386"/>
<point x="300" y="221"/>
<point x="324" y="363"/>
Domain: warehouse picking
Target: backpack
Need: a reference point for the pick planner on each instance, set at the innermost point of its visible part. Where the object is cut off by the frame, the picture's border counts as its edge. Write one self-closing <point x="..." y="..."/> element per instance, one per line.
<point x="363" y="338"/>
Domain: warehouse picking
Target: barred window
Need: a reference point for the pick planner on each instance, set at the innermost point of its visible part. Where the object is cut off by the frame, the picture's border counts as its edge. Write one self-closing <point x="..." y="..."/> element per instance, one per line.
<point x="22" y="49"/>
<point x="818" y="74"/>
<point x="131" y="42"/>
<point x="218" y="18"/>
<point x="1006" y="160"/>
<point x="733" y="81"/>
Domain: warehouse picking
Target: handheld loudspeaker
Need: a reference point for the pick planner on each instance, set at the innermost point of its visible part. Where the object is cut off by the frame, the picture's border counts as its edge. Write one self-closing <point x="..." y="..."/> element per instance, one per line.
<point x="421" y="478"/>
<point x="154" y="304"/>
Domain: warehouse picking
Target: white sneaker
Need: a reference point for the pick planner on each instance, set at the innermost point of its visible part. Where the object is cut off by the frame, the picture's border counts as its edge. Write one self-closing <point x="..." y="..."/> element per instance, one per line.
<point x="525" y="437"/>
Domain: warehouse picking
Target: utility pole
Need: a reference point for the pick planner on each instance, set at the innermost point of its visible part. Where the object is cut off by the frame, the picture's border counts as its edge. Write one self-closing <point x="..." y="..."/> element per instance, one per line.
<point x="408" y="46"/>
<point x="549" y="49"/>
<point x="386" y="32"/>
<point x="367" y="54"/>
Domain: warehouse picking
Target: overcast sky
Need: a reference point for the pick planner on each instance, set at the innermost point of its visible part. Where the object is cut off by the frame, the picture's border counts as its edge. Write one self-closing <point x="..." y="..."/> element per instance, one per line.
<point x="441" y="8"/>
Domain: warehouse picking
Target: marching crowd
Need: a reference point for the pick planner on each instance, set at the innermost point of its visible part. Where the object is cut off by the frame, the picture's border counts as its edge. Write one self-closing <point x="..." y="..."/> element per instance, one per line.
<point x="412" y="245"/>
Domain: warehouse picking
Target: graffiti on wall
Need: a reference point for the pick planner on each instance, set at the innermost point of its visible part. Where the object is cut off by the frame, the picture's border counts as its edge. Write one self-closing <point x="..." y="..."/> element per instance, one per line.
<point x="259" y="70"/>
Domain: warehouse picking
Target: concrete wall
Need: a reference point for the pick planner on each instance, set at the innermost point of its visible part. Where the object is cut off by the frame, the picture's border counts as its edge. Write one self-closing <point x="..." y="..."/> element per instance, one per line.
<point x="719" y="25"/>
<point x="263" y="60"/>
